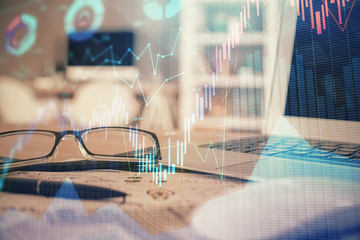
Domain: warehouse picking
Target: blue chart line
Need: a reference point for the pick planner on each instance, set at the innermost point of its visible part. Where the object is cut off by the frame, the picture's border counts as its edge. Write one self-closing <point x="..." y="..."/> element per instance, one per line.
<point x="154" y="63"/>
<point x="136" y="79"/>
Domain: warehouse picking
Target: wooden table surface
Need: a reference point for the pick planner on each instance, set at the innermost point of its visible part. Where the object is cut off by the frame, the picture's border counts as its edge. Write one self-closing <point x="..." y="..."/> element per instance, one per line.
<point x="156" y="209"/>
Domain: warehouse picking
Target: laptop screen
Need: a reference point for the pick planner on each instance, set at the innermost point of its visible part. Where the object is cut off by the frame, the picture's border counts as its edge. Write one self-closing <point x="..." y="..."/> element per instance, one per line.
<point x="325" y="69"/>
<point x="102" y="48"/>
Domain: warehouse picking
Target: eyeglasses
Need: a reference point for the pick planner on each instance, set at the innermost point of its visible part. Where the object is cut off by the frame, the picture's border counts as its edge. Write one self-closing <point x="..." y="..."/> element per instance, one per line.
<point x="108" y="143"/>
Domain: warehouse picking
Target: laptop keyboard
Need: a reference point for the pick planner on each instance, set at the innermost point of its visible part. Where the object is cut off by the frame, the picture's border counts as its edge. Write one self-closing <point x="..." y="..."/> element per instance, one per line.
<point x="313" y="150"/>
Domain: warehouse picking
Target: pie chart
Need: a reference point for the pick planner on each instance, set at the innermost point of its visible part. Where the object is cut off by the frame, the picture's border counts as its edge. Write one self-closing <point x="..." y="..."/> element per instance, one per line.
<point x="83" y="18"/>
<point x="25" y="23"/>
<point x="159" y="9"/>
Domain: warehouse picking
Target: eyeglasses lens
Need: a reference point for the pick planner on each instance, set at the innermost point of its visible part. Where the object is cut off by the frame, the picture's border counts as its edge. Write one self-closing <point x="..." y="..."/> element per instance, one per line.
<point x="118" y="142"/>
<point x="26" y="145"/>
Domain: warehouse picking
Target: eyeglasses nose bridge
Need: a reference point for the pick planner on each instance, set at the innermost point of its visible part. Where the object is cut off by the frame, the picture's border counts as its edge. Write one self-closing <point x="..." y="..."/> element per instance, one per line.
<point x="68" y="136"/>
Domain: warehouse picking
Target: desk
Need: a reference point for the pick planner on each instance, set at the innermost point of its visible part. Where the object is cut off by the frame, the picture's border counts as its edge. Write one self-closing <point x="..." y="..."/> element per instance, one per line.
<point x="189" y="205"/>
<point x="155" y="209"/>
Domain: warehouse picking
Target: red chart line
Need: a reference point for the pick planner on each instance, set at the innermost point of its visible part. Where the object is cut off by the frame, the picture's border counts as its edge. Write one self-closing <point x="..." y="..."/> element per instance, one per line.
<point x="342" y="28"/>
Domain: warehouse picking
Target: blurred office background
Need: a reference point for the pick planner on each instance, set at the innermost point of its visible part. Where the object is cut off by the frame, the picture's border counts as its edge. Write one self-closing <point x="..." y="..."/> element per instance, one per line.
<point x="170" y="85"/>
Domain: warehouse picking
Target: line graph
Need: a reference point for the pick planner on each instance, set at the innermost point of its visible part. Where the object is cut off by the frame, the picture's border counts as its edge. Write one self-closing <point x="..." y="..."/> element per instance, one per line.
<point x="204" y="158"/>
<point x="136" y="80"/>
<point x="347" y="18"/>
<point x="318" y="16"/>
<point x="154" y="62"/>
<point x="114" y="62"/>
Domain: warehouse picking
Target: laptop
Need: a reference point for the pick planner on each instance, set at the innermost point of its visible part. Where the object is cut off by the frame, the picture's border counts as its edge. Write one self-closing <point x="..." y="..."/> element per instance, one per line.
<point x="312" y="116"/>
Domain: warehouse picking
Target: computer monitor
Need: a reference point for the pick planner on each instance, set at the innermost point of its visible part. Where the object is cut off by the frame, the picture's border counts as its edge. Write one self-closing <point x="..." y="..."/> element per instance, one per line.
<point x="103" y="56"/>
<point x="325" y="69"/>
<point x="315" y="85"/>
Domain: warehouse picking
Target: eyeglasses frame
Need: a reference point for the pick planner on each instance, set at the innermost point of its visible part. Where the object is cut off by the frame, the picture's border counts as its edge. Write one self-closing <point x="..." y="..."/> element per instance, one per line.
<point x="78" y="136"/>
